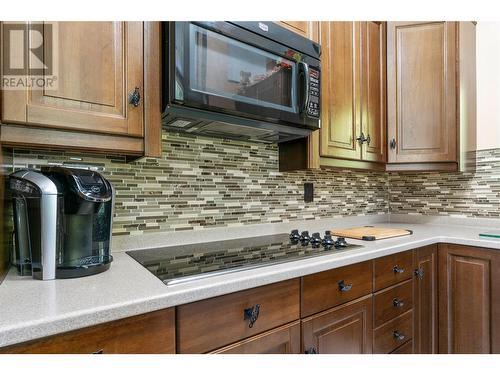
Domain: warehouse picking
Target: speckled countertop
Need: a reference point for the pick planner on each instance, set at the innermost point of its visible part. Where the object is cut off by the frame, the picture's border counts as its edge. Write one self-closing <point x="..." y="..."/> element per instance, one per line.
<point x="31" y="309"/>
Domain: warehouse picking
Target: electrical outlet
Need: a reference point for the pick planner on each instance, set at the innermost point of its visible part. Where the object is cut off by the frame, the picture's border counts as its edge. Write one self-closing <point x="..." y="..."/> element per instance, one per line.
<point x="308" y="192"/>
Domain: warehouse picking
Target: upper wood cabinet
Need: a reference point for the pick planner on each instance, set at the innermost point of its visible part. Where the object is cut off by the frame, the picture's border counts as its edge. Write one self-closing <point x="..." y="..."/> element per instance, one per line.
<point x="469" y="307"/>
<point x="98" y="66"/>
<point x="308" y="29"/>
<point x="353" y="118"/>
<point x="425" y="90"/>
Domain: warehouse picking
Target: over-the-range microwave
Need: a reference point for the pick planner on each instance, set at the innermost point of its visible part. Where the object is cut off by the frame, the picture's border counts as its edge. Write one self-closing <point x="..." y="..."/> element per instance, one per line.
<point x="253" y="81"/>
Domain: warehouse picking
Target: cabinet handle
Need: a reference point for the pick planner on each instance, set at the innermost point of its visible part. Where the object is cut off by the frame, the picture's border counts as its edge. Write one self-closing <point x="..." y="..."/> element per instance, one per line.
<point x="397" y="269"/>
<point x="392" y="144"/>
<point x="398" y="303"/>
<point x="361" y="139"/>
<point x="134" y="97"/>
<point x="100" y="351"/>
<point x="398" y="335"/>
<point x="251" y="314"/>
<point x="311" y="351"/>
<point x="419" y="272"/>
<point x="368" y="139"/>
<point x="343" y="287"/>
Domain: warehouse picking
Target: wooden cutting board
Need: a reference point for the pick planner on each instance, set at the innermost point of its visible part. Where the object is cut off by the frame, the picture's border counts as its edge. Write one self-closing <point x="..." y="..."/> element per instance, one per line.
<point x="370" y="233"/>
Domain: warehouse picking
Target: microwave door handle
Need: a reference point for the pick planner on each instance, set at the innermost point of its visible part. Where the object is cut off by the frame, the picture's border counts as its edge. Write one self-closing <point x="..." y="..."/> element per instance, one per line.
<point x="305" y="69"/>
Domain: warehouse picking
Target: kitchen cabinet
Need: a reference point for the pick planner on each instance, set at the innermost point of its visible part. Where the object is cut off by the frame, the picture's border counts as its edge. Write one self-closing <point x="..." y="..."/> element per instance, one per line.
<point x="106" y="95"/>
<point x="151" y="333"/>
<point x="308" y="29"/>
<point x="282" y="340"/>
<point x="346" y="329"/>
<point x="431" y="94"/>
<point x="426" y="300"/>
<point x="469" y="307"/>
<point x="216" y="322"/>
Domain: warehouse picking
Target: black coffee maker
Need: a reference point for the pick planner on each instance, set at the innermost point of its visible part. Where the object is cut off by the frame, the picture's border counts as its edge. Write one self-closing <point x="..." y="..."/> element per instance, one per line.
<point x="62" y="222"/>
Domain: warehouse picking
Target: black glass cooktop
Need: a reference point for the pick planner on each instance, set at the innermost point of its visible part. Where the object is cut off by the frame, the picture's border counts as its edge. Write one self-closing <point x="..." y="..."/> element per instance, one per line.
<point x="183" y="263"/>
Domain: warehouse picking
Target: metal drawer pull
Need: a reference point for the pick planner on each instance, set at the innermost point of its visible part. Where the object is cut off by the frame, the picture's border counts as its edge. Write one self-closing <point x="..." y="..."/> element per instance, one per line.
<point x="100" y="351"/>
<point x="398" y="335"/>
<point x="343" y="287"/>
<point x="134" y="97"/>
<point x="311" y="351"/>
<point x="251" y="314"/>
<point x="398" y="303"/>
<point x="419" y="272"/>
<point x="397" y="269"/>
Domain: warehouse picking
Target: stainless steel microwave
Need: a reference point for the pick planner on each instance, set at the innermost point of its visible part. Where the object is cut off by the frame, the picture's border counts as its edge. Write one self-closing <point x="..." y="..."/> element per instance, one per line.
<point x="253" y="81"/>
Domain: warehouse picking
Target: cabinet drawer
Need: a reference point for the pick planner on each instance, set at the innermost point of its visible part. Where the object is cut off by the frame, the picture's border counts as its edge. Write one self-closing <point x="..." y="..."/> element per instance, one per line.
<point x="391" y="302"/>
<point x="393" y="334"/>
<point x="151" y="333"/>
<point x="392" y="269"/>
<point x="405" y="348"/>
<point x="210" y="324"/>
<point x="331" y="288"/>
<point x="282" y="340"/>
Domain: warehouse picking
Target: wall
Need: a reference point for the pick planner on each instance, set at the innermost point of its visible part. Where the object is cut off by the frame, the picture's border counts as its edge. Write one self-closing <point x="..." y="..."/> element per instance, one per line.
<point x="488" y="84"/>
<point x="207" y="182"/>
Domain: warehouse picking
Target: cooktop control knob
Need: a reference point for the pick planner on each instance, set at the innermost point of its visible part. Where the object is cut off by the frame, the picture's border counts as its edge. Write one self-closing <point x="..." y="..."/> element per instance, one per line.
<point x="295" y="236"/>
<point x="315" y="240"/>
<point x="304" y="238"/>
<point x="327" y="240"/>
<point x="341" y="242"/>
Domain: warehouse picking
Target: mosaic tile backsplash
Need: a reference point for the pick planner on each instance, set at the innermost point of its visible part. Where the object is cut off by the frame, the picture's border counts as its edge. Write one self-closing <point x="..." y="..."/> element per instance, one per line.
<point x="207" y="182"/>
<point x="459" y="194"/>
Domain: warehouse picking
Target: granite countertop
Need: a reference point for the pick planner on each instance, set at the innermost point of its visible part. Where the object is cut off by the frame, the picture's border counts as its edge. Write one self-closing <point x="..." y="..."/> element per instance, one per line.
<point x="31" y="309"/>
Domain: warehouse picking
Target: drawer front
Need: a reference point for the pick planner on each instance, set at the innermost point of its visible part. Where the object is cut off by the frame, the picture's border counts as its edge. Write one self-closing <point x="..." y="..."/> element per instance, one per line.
<point x="282" y="340"/>
<point x="393" y="301"/>
<point x="210" y="324"/>
<point x="392" y="269"/>
<point x="393" y="334"/>
<point x="324" y="290"/>
<point x="405" y="348"/>
<point x="151" y="333"/>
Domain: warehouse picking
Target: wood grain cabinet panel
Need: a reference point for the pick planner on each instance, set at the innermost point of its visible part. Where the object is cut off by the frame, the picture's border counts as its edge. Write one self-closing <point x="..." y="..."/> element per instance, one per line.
<point x="216" y="322"/>
<point x="425" y="300"/>
<point x="393" y="334"/>
<point x="422" y="121"/>
<point x="469" y="307"/>
<point x="282" y="340"/>
<point x="327" y="289"/>
<point x="392" y="302"/>
<point x="151" y="333"/>
<point x="346" y="329"/>
<point x="308" y="29"/>
<point x="405" y="348"/>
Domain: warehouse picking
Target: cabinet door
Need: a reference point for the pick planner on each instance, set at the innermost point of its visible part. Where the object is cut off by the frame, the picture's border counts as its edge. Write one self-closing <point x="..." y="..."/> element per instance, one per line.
<point x="308" y="29"/>
<point x="97" y="65"/>
<point x="469" y="307"/>
<point x="425" y="300"/>
<point x="421" y="86"/>
<point x="282" y="340"/>
<point x="340" y="90"/>
<point x="346" y="329"/>
<point x="373" y="90"/>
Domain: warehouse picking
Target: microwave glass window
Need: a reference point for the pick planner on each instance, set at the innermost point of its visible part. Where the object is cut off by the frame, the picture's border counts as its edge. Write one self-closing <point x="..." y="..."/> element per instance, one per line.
<point x="224" y="67"/>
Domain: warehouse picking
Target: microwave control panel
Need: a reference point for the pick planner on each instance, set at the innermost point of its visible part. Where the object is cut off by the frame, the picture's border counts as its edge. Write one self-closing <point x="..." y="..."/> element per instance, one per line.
<point x="313" y="105"/>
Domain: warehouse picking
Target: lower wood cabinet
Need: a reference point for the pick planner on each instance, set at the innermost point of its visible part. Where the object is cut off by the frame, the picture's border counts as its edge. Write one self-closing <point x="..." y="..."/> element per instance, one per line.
<point x="282" y="340"/>
<point x="346" y="329"/>
<point x="469" y="302"/>
<point x="426" y="300"/>
<point x="151" y="333"/>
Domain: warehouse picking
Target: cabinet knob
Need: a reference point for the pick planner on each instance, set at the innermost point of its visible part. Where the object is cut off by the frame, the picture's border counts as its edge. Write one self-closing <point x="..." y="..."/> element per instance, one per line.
<point x="361" y="139"/>
<point x="100" y="351"/>
<point x="398" y="335"/>
<point x="398" y="303"/>
<point x="368" y="139"/>
<point x="398" y="269"/>
<point x="311" y="351"/>
<point x="392" y="144"/>
<point x="251" y="314"/>
<point x="343" y="287"/>
<point x="134" y="97"/>
<point x="419" y="272"/>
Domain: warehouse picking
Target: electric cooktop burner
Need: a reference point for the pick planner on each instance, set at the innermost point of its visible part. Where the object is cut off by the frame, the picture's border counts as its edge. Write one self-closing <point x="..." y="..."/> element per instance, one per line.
<point x="177" y="264"/>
